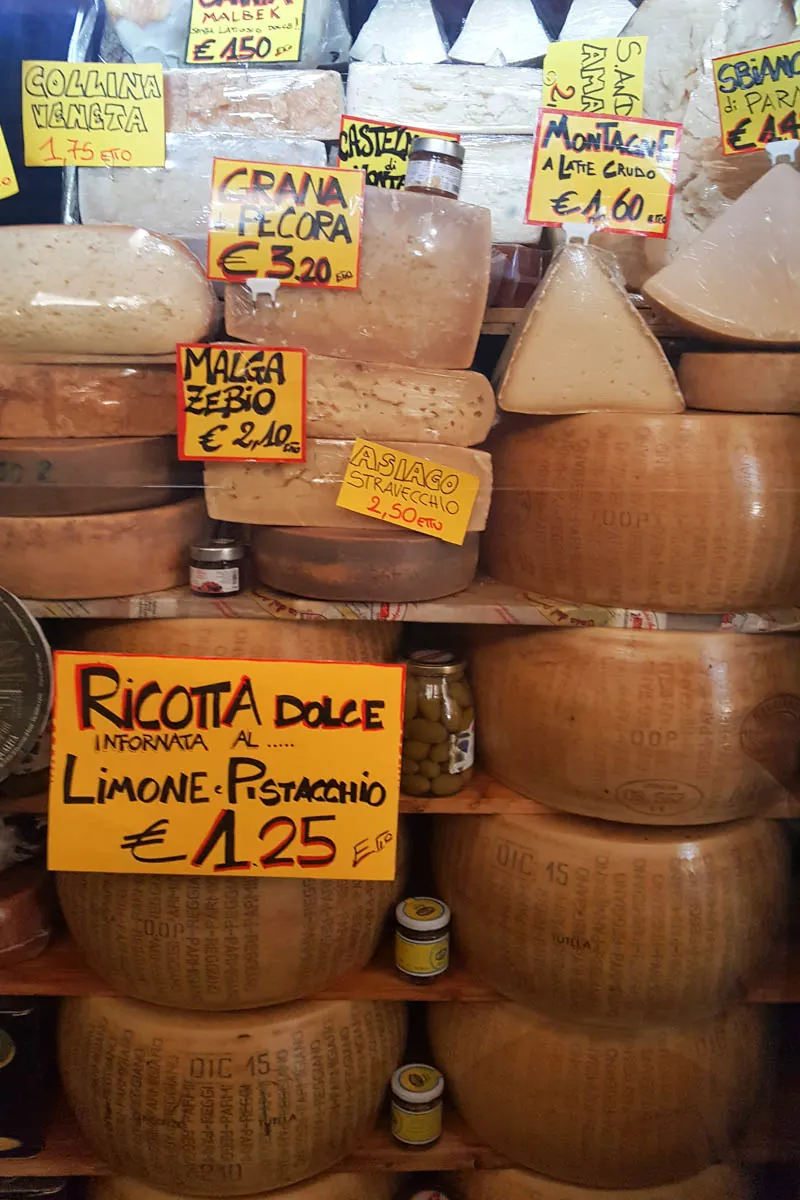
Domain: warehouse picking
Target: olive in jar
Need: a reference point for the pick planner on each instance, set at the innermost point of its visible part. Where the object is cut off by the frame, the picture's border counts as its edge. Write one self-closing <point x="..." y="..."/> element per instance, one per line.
<point x="439" y="725"/>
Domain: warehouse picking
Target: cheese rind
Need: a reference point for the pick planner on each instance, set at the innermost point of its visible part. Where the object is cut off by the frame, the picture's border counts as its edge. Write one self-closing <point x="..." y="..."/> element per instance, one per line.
<point x="715" y="1183"/>
<point x="322" y="1187"/>
<point x="259" y="103"/>
<point x="86" y="401"/>
<point x="581" y="346"/>
<point x="752" y="382"/>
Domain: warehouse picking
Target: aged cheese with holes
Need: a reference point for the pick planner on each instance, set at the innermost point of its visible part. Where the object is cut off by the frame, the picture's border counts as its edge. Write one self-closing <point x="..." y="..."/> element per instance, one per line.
<point x="715" y="1183"/>
<point x="605" y="1108"/>
<point x="750" y="382"/>
<point x="115" y="554"/>
<point x="614" y="924"/>
<point x="86" y="401"/>
<point x="581" y="346"/>
<point x="649" y="727"/>
<point x="255" y="103"/>
<point x="322" y="1187"/>
<point x="227" y="1104"/>
<point x="696" y="513"/>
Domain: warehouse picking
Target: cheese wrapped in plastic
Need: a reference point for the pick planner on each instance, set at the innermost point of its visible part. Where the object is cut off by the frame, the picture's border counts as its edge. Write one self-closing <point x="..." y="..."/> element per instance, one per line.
<point x="256" y="103"/>
<point x="496" y="174"/>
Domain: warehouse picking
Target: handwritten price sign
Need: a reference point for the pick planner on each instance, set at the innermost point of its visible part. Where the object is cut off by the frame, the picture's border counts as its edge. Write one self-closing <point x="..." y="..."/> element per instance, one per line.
<point x="380" y="149"/>
<point x="225" y="31"/>
<point x="758" y="97"/>
<point x="196" y="766"/>
<point x="8" y="178"/>
<point x="604" y="75"/>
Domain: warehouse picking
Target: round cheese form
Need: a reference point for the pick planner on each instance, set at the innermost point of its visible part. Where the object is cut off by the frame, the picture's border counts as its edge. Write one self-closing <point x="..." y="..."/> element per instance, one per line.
<point x="715" y="1183"/>
<point x="324" y="1187"/>
<point x="614" y="924"/>
<point x="86" y="401"/>
<point x="598" y="1107"/>
<point x="26" y="912"/>
<point x="384" y="564"/>
<point x="227" y="1105"/>
<point x="115" y="554"/>
<point x="645" y="726"/>
<point x="698" y="512"/>
<point x="754" y="383"/>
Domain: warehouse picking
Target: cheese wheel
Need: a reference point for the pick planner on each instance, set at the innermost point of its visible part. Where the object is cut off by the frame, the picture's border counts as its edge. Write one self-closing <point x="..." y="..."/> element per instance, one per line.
<point x="86" y="401"/>
<point x="651" y="727"/>
<point x="70" y="476"/>
<point x="323" y="1187"/>
<point x="115" y="554"/>
<point x="695" y="513"/>
<point x="26" y="912"/>
<point x="715" y="1183"/>
<point x="598" y="1107"/>
<point x="614" y="924"/>
<point x="750" y="383"/>
<point x="227" y="1105"/>
<point x="380" y="564"/>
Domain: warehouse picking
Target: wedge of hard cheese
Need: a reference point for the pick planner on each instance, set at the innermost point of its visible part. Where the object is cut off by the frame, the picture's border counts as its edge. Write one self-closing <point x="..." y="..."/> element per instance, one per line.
<point x="581" y="346"/>
<point x="305" y="493"/>
<point x="740" y="280"/>
<point x="258" y="103"/>
<point x="751" y="382"/>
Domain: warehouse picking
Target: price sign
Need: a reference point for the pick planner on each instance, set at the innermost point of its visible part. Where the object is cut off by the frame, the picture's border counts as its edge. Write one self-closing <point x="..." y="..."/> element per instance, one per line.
<point x="230" y="31"/>
<point x="298" y="225"/>
<point x="380" y="149"/>
<point x="758" y="97"/>
<point x="241" y="403"/>
<point x="8" y="177"/>
<point x="93" y="114"/>
<point x="613" y="172"/>
<point x="604" y="75"/>
<point x="413" y="493"/>
<point x="203" y="766"/>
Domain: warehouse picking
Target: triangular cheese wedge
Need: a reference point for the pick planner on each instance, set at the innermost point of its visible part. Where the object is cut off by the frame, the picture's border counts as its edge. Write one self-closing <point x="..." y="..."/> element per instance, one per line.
<point x="740" y="280"/>
<point x="581" y="346"/>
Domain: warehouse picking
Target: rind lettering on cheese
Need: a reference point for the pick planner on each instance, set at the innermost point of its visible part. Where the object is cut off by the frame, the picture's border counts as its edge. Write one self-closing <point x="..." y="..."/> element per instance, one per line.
<point x="647" y="727"/>
<point x="86" y="401"/>
<point x="305" y="493"/>
<point x="751" y="382"/>
<point x="715" y="1183"/>
<point x="322" y="1187"/>
<point x="388" y="564"/>
<point x="227" y="1104"/>
<point x="423" y="283"/>
<point x="256" y="103"/>
<point x="603" y="1108"/>
<point x="116" y="554"/>
<point x="614" y="924"/>
<point x="739" y="281"/>
<point x="692" y="513"/>
<point x="581" y="346"/>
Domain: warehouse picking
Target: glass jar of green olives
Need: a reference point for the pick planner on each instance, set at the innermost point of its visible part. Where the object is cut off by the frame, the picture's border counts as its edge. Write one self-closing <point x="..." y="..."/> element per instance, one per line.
<point x="438" y="725"/>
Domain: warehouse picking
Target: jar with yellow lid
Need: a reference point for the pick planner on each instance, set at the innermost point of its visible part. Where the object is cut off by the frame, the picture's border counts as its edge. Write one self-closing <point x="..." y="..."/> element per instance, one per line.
<point x="438" y="725"/>
<point x="422" y="938"/>
<point x="417" y="1104"/>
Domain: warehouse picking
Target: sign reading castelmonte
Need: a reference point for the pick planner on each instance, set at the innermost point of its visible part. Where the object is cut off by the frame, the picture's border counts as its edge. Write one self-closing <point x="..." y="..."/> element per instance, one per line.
<point x="381" y="149"/>
<point x="241" y="403"/>
<point x="601" y="75"/>
<point x="611" y="172"/>
<point x="245" y="31"/>
<point x="203" y="766"/>
<point x="93" y="114"/>
<point x="298" y="225"/>
<point x="758" y="93"/>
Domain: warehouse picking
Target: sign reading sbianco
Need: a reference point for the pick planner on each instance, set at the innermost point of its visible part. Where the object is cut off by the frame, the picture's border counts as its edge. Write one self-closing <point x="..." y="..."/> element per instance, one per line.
<point x="758" y="93"/>
<point x="187" y="766"/>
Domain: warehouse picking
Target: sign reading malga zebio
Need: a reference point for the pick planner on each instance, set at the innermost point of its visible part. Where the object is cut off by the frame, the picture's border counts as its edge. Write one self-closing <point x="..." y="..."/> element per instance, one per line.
<point x="93" y="114"/>
<point x="188" y="766"/>
<point x="298" y="225"/>
<point x="613" y="172"/>
<point x="758" y="93"/>
<point x="381" y="149"/>
<point x="245" y="31"/>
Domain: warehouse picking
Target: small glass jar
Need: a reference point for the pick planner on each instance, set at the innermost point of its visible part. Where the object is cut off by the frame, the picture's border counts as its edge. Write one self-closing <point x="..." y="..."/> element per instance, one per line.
<point x="438" y="725"/>
<point x="216" y="567"/>
<point x="422" y="938"/>
<point x="417" y="1104"/>
<point x="434" y="167"/>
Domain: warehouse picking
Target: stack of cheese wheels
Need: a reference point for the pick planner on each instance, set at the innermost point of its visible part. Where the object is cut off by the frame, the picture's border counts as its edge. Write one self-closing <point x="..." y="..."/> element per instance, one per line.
<point x="715" y="1183"/>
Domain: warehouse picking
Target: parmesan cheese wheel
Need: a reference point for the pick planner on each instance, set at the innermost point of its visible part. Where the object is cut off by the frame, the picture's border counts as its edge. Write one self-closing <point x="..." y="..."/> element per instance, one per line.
<point x="754" y="383"/>
<point x="114" y="554"/>
<point x="324" y="1187"/>
<point x="598" y="1107"/>
<point x="227" y="1105"/>
<point x="614" y="923"/>
<point x="651" y="727"/>
<point x="696" y="513"/>
<point x="715" y="1183"/>
<point x="86" y="401"/>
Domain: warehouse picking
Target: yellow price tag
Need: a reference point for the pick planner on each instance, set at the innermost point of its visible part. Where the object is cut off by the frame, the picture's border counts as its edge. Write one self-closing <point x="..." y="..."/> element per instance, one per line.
<point x="381" y="149"/>
<point x="203" y="766"/>
<point x="605" y="75"/>
<point x="93" y="114"/>
<point x="226" y="31"/>
<point x="758" y="97"/>
<point x="299" y="225"/>
<point x="8" y="177"/>
<point x="417" y="494"/>
<point x="616" y="173"/>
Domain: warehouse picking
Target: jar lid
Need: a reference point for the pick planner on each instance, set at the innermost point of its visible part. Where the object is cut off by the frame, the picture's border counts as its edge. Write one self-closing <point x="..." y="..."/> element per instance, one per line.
<point x="434" y="662"/>
<point x="417" y="1083"/>
<point x="219" y="550"/>
<point x="422" y="913"/>
<point x="436" y="145"/>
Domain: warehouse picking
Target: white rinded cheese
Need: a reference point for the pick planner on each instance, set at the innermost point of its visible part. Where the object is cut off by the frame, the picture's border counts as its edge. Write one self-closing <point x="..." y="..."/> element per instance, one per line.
<point x="86" y="401"/>
<point x="259" y="103"/>
<point x="227" y="1104"/>
<point x="401" y="31"/>
<point x="501" y="33"/>
<point x="604" y="1108"/>
<point x="496" y="176"/>
<point x="596" y="19"/>
<point x="581" y="346"/>
<point x="750" y="382"/>
<point x="322" y="1187"/>
<point x="715" y="1183"/>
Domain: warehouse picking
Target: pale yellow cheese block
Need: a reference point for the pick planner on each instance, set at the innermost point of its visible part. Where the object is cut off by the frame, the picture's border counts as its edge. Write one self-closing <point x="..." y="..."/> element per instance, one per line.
<point x="603" y="1108"/>
<point x="581" y="346"/>
<point x="739" y="281"/>
<point x="86" y="401"/>
<point x="322" y="1187"/>
<point x="715" y="1183"/>
<point x="751" y="382"/>
<point x="306" y="493"/>
<point x="227" y="1104"/>
<point x="642" y="726"/>
<point x="614" y="924"/>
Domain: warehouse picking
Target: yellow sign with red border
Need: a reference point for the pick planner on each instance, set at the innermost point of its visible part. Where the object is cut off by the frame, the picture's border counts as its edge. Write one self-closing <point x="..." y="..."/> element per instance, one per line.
<point x="381" y="149"/>
<point x="8" y="177"/>
<point x="225" y="32"/>
<point x="758" y="97"/>
<point x="597" y="75"/>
